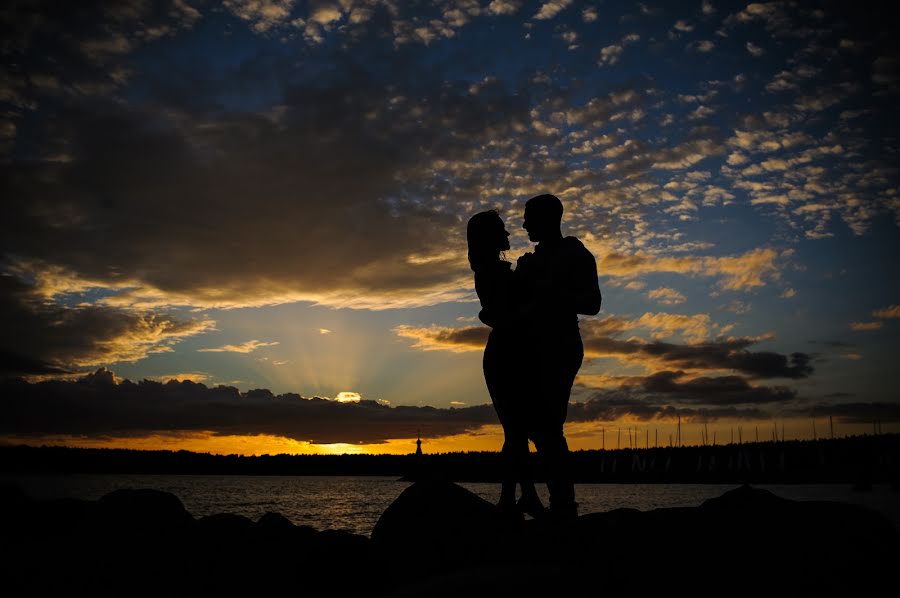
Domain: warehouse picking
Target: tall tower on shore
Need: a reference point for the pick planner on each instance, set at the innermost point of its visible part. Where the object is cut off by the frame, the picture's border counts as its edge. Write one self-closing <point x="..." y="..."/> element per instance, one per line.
<point x="418" y="443"/>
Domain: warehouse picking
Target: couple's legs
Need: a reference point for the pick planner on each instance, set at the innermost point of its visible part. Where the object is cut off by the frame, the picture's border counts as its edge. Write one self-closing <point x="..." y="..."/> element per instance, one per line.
<point x="560" y="360"/>
<point x="505" y="384"/>
<point x="554" y="451"/>
<point x="517" y="469"/>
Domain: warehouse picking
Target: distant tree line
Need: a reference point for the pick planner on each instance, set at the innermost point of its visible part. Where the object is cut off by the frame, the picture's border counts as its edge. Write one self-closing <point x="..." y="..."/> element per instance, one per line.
<point x="861" y="460"/>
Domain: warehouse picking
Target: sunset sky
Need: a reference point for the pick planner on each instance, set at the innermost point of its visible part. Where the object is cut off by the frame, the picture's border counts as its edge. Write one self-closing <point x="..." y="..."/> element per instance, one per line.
<point x="272" y="195"/>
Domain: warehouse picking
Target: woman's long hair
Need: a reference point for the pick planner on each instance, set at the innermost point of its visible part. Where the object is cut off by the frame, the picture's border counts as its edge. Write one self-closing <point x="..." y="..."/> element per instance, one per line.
<point x="481" y="234"/>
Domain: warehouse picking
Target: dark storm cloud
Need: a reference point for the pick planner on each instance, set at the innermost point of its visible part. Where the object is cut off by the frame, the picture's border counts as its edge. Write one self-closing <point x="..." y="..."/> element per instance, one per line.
<point x="225" y="207"/>
<point x="176" y="206"/>
<point x="43" y="338"/>
<point x="721" y="390"/>
<point x="724" y="354"/>
<point x="95" y="406"/>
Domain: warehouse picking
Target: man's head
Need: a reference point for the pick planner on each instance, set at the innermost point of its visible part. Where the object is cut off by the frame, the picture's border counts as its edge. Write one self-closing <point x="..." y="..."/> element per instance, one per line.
<point x="543" y="215"/>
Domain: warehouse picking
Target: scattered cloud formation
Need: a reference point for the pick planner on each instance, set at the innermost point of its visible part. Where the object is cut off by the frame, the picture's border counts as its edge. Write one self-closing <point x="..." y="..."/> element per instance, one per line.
<point x="666" y="296"/>
<point x="739" y="272"/>
<point x="245" y="347"/>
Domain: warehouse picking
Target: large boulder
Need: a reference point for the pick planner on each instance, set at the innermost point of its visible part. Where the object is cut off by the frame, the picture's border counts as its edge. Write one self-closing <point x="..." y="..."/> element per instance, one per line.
<point x="436" y="519"/>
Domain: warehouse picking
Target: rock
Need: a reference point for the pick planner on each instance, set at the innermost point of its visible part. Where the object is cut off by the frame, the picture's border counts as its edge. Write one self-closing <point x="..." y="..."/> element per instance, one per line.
<point x="745" y="497"/>
<point x="438" y="539"/>
<point x="225" y="525"/>
<point x="437" y="517"/>
<point x="275" y="523"/>
<point x="143" y="510"/>
<point x="748" y="538"/>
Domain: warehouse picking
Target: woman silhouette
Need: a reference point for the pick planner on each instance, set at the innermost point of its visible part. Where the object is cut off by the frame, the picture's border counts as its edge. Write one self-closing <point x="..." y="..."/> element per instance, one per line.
<point x="504" y="358"/>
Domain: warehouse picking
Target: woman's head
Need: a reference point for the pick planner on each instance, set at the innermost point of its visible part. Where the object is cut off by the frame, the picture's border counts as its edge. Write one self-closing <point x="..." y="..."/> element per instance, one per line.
<point x="487" y="238"/>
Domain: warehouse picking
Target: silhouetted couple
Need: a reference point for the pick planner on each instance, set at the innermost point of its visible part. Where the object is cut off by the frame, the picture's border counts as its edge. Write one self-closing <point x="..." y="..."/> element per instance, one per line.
<point x="534" y="349"/>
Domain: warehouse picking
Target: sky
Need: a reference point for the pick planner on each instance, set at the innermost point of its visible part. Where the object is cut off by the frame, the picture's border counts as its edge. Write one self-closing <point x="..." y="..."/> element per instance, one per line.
<point x="239" y="226"/>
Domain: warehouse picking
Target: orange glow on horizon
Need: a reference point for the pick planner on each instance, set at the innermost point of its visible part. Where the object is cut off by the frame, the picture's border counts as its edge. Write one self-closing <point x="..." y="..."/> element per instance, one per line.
<point x="581" y="436"/>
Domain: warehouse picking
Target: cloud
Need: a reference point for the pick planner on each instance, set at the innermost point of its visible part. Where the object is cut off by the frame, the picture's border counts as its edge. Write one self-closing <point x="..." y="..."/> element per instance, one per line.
<point x="190" y="376"/>
<point x="100" y="405"/>
<point x="443" y="338"/>
<point x="866" y="326"/>
<point x="666" y="296"/>
<point x="737" y="306"/>
<point x="504" y="7"/>
<point x="57" y="50"/>
<point x="694" y="328"/>
<point x="740" y="272"/>
<point x="262" y="14"/>
<point x="552" y="8"/>
<point x="755" y="50"/>
<point x="665" y="395"/>
<point x="602" y="339"/>
<point x="704" y="46"/>
<point x="721" y="390"/>
<point x="892" y="311"/>
<point x="270" y="186"/>
<point x="245" y="347"/>
<point x="42" y="338"/>
<point x="773" y="15"/>
<point x="611" y="54"/>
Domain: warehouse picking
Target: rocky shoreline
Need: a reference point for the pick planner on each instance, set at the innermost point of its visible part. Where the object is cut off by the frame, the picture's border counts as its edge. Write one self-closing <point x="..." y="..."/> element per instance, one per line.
<point x="438" y="539"/>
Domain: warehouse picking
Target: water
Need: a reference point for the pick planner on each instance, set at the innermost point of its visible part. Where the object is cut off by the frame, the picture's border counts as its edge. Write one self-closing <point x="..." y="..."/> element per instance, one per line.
<point x="355" y="503"/>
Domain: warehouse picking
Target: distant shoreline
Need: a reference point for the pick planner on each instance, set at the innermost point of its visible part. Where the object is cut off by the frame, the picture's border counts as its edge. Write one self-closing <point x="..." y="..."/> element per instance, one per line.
<point x="860" y="460"/>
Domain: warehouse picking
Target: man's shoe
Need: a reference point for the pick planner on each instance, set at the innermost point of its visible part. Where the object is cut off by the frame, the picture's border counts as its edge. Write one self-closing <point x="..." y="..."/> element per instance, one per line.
<point x="532" y="506"/>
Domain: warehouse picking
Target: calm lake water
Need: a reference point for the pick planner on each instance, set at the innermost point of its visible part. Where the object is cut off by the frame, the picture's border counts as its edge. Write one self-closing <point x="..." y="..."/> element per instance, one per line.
<point x="355" y="503"/>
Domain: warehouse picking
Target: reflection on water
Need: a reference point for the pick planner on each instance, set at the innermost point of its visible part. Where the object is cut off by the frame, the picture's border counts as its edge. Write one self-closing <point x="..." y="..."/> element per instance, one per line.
<point x="355" y="503"/>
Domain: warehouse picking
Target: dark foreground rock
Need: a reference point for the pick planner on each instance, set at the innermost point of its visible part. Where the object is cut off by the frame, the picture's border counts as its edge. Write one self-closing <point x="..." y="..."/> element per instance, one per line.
<point x="437" y="539"/>
<point x="745" y="541"/>
<point x="144" y="543"/>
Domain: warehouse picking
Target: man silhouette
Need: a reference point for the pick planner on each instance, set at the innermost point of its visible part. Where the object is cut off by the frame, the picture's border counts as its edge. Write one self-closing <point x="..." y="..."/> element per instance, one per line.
<point x="559" y="281"/>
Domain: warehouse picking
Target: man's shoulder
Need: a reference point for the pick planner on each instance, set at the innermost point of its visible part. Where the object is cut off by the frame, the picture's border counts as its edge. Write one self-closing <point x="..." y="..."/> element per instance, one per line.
<point x="575" y="246"/>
